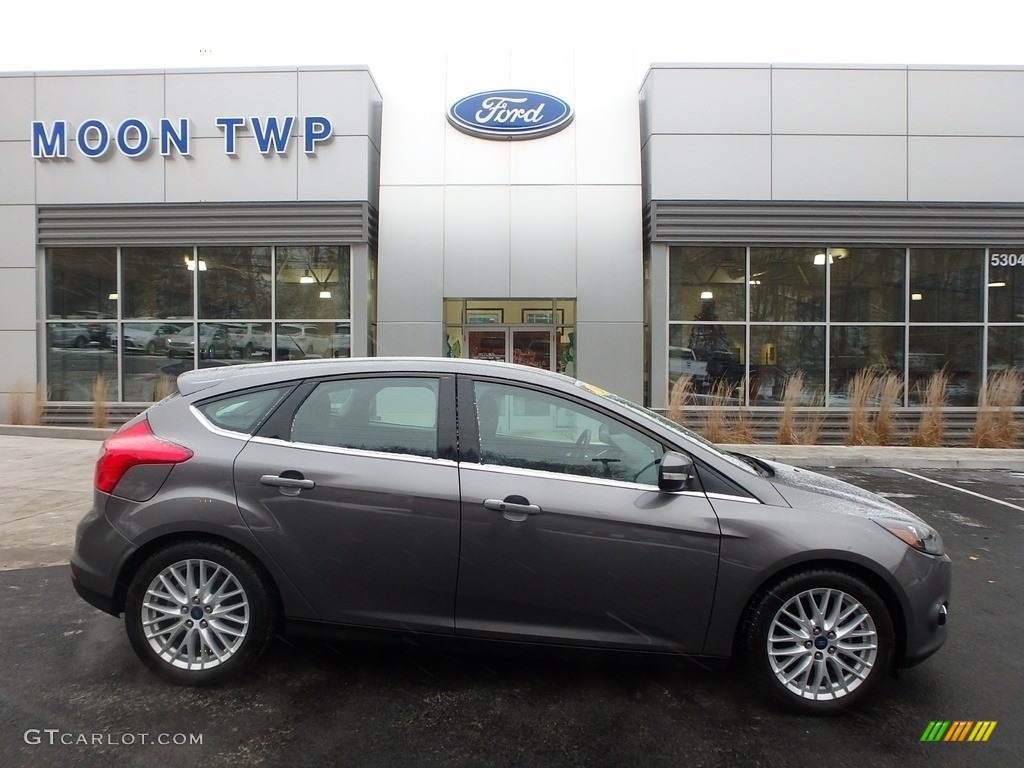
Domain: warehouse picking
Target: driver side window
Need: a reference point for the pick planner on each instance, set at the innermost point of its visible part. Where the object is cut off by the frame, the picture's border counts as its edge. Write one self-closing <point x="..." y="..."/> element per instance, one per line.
<point x="521" y="427"/>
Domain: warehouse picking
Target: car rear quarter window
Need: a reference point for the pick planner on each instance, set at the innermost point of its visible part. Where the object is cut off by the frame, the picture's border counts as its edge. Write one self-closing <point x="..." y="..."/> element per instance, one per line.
<point x="242" y="412"/>
<point x="389" y="415"/>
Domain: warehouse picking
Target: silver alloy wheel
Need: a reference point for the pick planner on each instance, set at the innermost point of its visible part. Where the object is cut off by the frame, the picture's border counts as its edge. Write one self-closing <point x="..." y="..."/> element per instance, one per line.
<point x="822" y="644"/>
<point x="195" y="614"/>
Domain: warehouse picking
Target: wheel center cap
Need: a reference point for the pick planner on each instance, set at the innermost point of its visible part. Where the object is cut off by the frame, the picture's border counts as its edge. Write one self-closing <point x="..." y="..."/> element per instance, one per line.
<point x="820" y="643"/>
<point x="197" y="613"/>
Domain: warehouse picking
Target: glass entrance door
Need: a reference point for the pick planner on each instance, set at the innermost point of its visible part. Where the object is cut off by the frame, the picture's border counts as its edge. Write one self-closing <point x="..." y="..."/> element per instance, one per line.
<point x="490" y="344"/>
<point x="526" y="346"/>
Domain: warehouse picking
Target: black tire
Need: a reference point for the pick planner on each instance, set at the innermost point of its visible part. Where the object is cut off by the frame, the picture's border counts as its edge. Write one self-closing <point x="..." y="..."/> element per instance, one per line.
<point x="819" y="665"/>
<point x="151" y="348"/>
<point x="190" y="650"/>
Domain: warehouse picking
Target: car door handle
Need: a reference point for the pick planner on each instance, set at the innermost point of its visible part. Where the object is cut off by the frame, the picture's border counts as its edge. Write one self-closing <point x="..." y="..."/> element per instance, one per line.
<point x="497" y="505"/>
<point x="287" y="482"/>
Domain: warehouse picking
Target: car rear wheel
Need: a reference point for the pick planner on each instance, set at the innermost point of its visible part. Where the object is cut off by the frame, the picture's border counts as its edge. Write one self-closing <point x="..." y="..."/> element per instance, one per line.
<point x="197" y="612"/>
<point x="819" y="641"/>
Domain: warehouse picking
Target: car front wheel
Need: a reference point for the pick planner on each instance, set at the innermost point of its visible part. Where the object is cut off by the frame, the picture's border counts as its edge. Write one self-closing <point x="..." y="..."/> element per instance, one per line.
<point x="819" y="641"/>
<point x="197" y="612"/>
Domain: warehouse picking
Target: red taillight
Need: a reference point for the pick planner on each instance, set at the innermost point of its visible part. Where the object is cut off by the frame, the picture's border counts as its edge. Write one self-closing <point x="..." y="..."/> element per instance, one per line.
<point x="131" y="447"/>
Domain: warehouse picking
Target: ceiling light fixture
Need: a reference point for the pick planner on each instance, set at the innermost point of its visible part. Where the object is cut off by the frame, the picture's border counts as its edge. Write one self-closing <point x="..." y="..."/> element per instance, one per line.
<point x="707" y="295"/>
<point x="307" y="279"/>
<point x="325" y="294"/>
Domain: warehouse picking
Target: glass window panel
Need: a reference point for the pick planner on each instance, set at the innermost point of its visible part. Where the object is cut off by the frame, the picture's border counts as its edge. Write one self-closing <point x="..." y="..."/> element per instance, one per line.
<point x="855" y="348"/>
<point x="295" y="341"/>
<point x="147" y="373"/>
<point x="707" y="283"/>
<point x="81" y="283"/>
<point x="341" y="340"/>
<point x="156" y="283"/>
<point x="958" y="350"/>
<point x="710" y="354"/>
<point x="779" y="351"/>
<point x="1006" y="284"/>
<point x="234" y="282"/>
<point x="868" y="284"/>
<point x="787" y="284"/>
<point x="72" y="365"/>
<point x="1006" y="348"/>
<point x="945" y="285"/>
<point x="313" y="282"/>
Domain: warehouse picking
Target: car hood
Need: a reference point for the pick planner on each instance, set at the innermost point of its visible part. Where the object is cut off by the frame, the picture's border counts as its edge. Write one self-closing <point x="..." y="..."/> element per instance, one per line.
<point x="815" y="492"/>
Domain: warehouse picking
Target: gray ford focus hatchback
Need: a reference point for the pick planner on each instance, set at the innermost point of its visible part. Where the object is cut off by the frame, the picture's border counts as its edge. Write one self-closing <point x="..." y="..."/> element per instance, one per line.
<point x="484" y="500"/>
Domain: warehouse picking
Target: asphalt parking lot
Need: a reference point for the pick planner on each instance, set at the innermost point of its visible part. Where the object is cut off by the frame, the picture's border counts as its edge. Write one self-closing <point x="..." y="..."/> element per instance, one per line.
<point x="73" y="693"/>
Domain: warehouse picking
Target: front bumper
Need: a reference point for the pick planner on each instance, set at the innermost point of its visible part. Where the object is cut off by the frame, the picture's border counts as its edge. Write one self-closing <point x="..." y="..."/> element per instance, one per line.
<point x="927" y="582"/>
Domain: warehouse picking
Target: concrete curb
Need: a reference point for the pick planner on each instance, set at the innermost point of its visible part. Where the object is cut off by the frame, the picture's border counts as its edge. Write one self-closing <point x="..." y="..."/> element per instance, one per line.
<point x="60" y="433"/>
<point x="896" y="457"/>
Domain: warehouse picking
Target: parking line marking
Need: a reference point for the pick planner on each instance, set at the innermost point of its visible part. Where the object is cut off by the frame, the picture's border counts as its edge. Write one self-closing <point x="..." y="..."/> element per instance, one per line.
<point x="962" y="490"/>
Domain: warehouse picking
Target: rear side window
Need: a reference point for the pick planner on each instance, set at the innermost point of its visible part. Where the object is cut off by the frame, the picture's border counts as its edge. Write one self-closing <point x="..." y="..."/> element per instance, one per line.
<point x="242" y="412"/>
<point x="390" y="415"/>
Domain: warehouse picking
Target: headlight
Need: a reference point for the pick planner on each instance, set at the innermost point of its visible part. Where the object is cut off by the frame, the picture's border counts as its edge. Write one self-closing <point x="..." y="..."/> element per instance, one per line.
<point x="921" y="537"/>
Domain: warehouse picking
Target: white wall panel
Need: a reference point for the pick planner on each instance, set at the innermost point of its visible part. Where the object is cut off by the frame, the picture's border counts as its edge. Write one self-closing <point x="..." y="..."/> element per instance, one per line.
<point x="683" y="167"/>
<point x="19" y="369"/>
<point x="839" y="168"/>
<point x="17" y="95"/>
<point x="112" y="179"/>
<point x="966" y="103"/>
<point x="211" y="175"/>
<point x="205" y="96"/>
<point x="839" y="101"/>
<point x="611" y="356"/>
<point x="338" y="171"/>
<point x="708" y="100"/>
<point x="410" y="264"/>
<point x="543" y="241"/>
<point x="18" y="244"/>
<point x="18" y="308"/>
<point x="403" y="338"/>
<point x="477" y="241"/>
<point x="607" y="125"/>
<point x="111" y="98"/>
<point x="414" y="128"/>
<point x="348" y="97"/>
<point x="19" y="172"/>
<point x="610" y="254"/>
<point x="966" y="169"/>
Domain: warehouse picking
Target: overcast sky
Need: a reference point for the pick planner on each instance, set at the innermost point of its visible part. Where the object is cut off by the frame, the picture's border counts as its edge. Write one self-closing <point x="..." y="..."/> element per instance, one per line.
<point x="155" y="34"/>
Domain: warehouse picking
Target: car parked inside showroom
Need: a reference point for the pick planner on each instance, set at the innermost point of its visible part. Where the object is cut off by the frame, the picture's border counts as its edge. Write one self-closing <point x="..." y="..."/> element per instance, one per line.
<point x="472" y="499"/>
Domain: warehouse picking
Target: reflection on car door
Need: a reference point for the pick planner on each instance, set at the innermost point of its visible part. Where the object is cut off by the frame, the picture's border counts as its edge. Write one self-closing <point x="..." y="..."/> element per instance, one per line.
<point x="590" y="552"/>
<point x="367" y="532"/>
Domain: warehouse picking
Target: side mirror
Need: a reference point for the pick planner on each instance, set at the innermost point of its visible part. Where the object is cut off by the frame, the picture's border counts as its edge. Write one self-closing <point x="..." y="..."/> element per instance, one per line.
<point x="675" y="472"/>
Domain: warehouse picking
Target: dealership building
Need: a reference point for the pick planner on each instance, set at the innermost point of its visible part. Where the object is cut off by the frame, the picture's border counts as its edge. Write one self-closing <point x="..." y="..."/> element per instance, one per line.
<point x="739" y="223"/>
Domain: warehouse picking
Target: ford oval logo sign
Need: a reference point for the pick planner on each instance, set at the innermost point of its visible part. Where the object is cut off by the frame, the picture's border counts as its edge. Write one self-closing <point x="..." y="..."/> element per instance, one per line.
<point x="510" y="115"/>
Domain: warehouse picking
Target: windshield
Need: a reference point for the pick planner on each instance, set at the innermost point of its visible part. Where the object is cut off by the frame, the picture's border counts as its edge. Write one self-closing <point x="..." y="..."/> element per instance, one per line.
<point x="677" y="428"/>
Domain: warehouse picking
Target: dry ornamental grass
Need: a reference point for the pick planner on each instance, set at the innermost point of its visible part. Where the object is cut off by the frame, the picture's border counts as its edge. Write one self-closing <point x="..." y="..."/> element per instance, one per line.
<point x="996" y="425"/>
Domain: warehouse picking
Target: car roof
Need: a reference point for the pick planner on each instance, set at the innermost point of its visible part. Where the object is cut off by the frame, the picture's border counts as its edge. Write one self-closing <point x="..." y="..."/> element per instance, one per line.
<point x="259" y="374"/>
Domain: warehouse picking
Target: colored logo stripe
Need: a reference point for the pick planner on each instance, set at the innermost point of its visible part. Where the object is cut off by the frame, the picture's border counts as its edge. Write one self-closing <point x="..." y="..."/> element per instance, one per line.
<point x="958" y="730"/>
